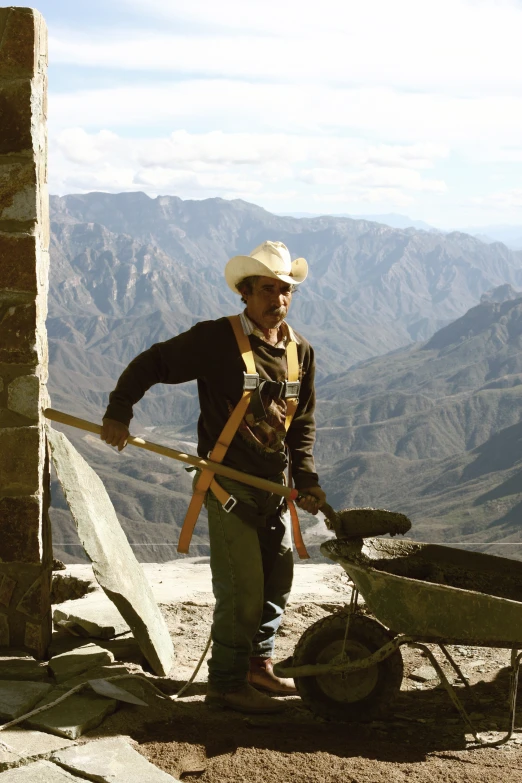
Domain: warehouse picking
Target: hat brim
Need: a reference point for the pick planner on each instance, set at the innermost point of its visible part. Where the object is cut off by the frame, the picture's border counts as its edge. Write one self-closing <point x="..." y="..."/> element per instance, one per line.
<point x="240" y="267"/>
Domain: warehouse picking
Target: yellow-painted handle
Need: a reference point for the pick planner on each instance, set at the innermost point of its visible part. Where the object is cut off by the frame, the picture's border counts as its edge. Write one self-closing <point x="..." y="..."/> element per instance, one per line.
<point x="198" y="462"/>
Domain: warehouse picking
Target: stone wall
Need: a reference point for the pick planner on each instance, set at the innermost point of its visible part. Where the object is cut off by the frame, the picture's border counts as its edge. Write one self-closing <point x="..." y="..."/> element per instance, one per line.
<point x="25" y="541"/>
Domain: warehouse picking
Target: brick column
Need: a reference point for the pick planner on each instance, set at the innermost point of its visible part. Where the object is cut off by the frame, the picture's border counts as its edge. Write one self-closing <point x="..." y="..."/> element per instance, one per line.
<point x="25" y="540"/>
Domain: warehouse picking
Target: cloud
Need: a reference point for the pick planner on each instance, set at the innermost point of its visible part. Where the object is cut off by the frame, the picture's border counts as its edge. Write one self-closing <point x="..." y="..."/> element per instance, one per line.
<point x="501" y="201"/>
<point x="453" y="47"/>
<point x="216" y="163"/>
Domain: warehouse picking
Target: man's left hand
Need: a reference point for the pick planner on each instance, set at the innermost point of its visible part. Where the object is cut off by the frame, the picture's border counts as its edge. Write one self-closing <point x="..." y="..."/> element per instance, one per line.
<point x="312" y="499"/>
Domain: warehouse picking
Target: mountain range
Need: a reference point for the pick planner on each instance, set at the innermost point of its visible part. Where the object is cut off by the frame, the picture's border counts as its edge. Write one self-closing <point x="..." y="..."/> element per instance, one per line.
<point x="415" y="373"/>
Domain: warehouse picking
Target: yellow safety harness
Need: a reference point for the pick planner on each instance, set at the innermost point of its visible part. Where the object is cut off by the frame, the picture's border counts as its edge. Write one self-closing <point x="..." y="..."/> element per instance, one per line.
<point x="206" y="478"/>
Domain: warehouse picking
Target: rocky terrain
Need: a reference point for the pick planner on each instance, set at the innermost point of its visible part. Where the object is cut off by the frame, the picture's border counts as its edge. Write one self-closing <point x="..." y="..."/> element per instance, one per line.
<point x="430" y="428"/>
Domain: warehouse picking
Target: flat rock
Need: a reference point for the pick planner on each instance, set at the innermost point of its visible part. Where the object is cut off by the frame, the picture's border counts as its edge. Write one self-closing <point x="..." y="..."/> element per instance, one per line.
<point x="77" y="714"/>
<point x="111" y="761"/>
<point x="424" y="674"/>
<point x="97" y="616"/>
<point x="29" y="744"/>
<point x="70" y="664"/>
<point x="17" y="698"/>
<point x="9" y="758"/>
<point x="114" y="564"/>
<point x="39" y="772"/>
<point x="93" y="674"/>
<point x="24" y="668"/>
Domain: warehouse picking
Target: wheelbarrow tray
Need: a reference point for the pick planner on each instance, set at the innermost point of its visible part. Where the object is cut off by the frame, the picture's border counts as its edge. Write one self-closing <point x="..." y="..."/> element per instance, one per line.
<point x="436" y="593"/>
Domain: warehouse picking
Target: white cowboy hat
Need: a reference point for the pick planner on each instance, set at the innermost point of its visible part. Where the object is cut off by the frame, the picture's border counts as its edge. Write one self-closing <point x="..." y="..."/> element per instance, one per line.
<point x="271" y="259"/>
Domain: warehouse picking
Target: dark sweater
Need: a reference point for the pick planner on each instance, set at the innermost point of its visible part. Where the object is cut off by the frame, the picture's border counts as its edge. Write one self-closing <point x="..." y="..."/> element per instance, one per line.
<point x="209" y="353"/>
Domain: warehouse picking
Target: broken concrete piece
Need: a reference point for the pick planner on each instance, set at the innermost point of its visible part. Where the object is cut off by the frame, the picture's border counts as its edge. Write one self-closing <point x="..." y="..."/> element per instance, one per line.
<point x="24" y="668"/>
<point x="39" y="772"/>
<point x="31" y="744"/>
<point x="17" y="698"/>
<point x="70" y="664"/>
<point x="110" y="761"/>
<point x="424" y="674"/>
<point x="98" y="617"/>
<point x="114" y="564"/>
<point x="72" y="717"/>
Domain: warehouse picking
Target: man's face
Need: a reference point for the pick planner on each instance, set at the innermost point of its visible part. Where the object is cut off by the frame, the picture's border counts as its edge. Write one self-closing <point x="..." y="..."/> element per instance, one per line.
<point x="269" y="302"/>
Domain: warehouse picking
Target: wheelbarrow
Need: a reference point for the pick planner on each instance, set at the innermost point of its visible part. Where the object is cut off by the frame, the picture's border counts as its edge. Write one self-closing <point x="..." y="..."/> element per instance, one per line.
<point x="348" y="666"/>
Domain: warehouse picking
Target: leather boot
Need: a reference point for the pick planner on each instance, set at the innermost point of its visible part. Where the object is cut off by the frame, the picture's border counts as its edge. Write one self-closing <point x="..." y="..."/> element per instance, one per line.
<point x="261" y="676"/>
<point x="245" y="699"/>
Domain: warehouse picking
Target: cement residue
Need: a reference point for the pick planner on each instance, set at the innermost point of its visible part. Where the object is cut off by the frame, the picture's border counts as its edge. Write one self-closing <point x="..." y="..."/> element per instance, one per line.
<point x="435" y="564"/>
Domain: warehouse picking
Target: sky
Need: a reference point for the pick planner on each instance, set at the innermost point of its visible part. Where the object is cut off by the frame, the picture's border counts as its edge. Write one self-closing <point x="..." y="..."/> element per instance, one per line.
<point x="337" y="106"/>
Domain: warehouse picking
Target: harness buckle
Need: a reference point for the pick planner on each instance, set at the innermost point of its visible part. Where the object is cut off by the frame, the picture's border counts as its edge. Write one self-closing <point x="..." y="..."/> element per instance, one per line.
<point x="292" y="388"/>
<point x="250" y="381"/>
<point x="230" y="504"/>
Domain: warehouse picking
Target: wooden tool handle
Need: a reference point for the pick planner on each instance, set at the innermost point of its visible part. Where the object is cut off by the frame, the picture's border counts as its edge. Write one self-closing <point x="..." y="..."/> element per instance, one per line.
<point x="198" y="462"/>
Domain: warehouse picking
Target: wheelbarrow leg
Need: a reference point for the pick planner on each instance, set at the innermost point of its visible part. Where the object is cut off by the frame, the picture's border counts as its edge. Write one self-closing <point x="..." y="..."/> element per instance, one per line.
<point x="456" y="667"/>
<point x="449" y="689"/>
<point x="513" y="690"/>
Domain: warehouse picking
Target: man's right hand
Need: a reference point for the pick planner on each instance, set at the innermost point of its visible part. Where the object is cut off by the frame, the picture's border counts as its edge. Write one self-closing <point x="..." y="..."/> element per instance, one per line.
<point x="114" y="433"/>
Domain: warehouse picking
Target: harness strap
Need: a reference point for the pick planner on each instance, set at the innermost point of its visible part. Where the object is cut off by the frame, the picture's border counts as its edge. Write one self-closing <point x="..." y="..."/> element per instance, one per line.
<point x="206" y="479"/>
<point x="292" y="362"/>
<point x="223" y="442"/>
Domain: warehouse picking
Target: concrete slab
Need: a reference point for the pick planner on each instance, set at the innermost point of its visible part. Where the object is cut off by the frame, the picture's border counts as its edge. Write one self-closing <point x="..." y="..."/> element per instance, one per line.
<point x="39" y="772"/>
<point x="97" y="617"/>
<point x="110" y="761"/>
<point x="24" y="668"/>
<point x="114" y="564"/>
<point x="70" y="664"/>
<point x="30" y="744"/>
<point x="17" y="698"/>
<point x="75" y="715"/>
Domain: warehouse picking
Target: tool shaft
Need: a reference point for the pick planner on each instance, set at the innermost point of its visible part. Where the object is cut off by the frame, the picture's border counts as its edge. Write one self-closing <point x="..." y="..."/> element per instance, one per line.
<point x="190" y="459"/>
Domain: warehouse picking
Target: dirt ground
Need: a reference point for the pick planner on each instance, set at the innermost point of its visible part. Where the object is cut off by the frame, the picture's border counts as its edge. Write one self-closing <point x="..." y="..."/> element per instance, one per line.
<point x="422" y="739"/>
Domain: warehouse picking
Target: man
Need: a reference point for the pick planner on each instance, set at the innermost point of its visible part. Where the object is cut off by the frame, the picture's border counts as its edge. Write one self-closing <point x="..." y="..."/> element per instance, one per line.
<point x="250" y="543"/>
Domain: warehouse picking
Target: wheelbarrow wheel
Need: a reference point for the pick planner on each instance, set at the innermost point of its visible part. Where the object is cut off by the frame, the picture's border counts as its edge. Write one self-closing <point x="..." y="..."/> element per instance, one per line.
<point x="361" y="696"/>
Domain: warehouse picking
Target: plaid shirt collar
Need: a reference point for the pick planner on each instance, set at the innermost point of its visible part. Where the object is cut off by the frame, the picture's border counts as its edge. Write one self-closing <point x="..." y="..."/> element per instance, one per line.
<point x="287" y="334"/>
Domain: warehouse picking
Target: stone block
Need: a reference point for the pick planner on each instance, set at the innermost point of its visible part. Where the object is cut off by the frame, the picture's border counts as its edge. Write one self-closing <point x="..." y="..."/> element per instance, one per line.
<point x="18" y="193"/>
<point x="17" y="698"/>
<point x="19" y="528"/>
<point x="27" y="743"/>
<point x="39" y="772"/>
<point x="7" y="586"/>
<point x="19" y="466"/>
<point x="96" y="615"/>
<point x="23" y="396"/>
<point x="15" y="117"/>
<point x="22" y="668"/>
<point x="18" y="334"/>
<point x="5" y="636"/>
<point x="17" y="251"/>
<point x="35" y="601"/>
<point x="72" y="663"/>
<point x="114" y="564"/>
<point x="21" y="42"/>
<point x="110" y="761"/>
<point x="74" y="716"/>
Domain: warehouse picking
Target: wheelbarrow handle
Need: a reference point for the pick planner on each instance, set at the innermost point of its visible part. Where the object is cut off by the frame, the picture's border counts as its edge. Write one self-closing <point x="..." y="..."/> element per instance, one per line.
<point x="190" y="459"/>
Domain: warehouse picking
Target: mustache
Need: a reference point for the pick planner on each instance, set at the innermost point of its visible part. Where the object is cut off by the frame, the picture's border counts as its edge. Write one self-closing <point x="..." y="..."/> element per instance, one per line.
<point x="276" y="311"/>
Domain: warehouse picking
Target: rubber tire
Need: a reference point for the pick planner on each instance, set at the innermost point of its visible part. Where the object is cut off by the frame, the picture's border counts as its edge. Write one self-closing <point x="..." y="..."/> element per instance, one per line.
<point x="372" y="635"/>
